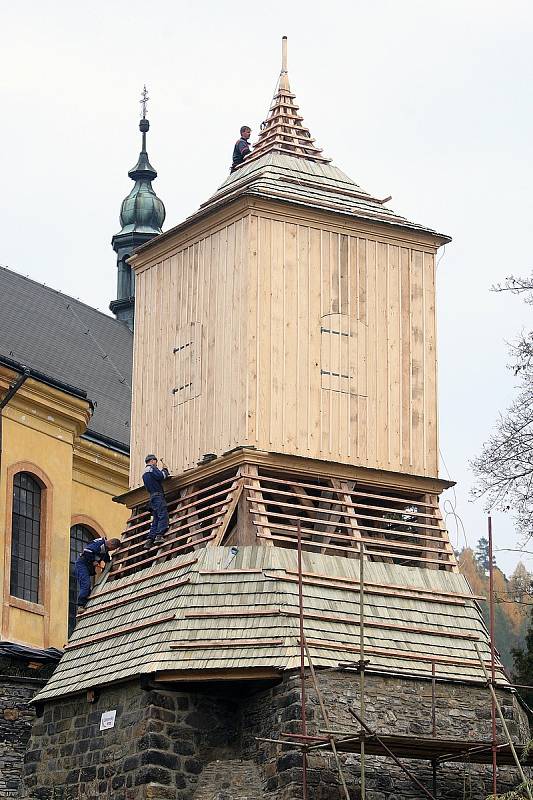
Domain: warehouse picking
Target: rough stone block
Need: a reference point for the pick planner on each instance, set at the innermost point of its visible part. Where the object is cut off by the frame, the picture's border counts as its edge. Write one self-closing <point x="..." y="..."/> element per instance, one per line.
<point x="193" y="766"/>
<point x="155" y="792"/>
<point x="154" y="741"/>
<point x="160" y="758"/>
<point x="153" y="775"/>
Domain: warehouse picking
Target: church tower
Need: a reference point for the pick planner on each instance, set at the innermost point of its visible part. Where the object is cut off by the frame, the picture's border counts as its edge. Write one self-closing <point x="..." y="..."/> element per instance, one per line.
<point x="296" y="324"/>
<point x="141" y="216"/>
<point x="285" y="369"/>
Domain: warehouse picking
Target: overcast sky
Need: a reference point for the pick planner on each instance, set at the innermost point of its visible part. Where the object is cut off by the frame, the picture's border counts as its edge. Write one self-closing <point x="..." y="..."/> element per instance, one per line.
<point x="430" y="102"/>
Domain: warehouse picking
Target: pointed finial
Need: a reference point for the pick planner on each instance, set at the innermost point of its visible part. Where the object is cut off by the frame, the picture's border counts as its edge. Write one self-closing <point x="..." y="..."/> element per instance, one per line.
<point x="144" y="101"/>
<point x="284" y="54"/>
<point x="283" y="131"/>
<point x="284" y="75"/>
<point x="144" y="125"/>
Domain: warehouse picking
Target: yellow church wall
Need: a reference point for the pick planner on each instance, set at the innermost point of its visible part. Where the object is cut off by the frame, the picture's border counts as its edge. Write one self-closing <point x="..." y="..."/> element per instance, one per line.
<point x="41" y="429"/>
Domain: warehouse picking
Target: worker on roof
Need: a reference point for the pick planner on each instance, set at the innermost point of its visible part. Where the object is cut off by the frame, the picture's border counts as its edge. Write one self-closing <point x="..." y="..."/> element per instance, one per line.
<point x="242" y="148"/>
<point x="153" y="480"/>
<point x="85" y="567"/>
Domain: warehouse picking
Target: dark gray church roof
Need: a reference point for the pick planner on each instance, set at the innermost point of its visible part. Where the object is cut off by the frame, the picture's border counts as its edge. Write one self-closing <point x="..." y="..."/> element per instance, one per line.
<point x="72" y="343"/>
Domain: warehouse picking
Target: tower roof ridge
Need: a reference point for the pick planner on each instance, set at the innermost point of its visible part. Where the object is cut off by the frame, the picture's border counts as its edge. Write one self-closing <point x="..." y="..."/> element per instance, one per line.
<point x="283" y="130"/>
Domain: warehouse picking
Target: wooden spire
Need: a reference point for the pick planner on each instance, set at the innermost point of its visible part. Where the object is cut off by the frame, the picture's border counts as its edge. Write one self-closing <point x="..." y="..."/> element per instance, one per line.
<point x="283" y="130"/>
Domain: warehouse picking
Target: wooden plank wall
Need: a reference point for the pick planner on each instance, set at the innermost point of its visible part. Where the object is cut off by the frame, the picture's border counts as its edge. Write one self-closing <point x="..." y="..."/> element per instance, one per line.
<point x="314" y="342"/>
<point x="309" y="281"/>
<point x="200" y="290"/>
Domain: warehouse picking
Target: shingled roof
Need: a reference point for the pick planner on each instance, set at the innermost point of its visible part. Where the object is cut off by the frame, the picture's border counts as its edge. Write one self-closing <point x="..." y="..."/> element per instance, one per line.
<point x="285" y="165"/>
<point x="70" y="342"/>
<point x="237" y="608"/>
<point x="278" y="175"/>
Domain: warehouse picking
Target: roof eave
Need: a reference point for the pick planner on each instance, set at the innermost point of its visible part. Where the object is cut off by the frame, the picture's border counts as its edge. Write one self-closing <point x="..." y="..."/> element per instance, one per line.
<point x="17" y="366"/>
<point x="141" y="255"/>
<point x="106" y="441"/>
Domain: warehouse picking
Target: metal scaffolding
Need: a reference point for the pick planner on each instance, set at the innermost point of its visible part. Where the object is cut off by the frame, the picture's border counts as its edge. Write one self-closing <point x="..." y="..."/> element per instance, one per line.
<point x="366" y="741"/>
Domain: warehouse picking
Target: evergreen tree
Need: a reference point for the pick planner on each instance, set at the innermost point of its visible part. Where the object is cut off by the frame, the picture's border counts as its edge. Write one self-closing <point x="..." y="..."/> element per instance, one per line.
<point x="482" y="555"/>
<point x="523" y="665"/>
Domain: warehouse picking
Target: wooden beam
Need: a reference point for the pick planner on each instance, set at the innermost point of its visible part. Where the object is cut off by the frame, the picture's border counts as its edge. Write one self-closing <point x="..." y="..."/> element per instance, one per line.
<point x="444" y="532"/>
<point x="360" y="493"/>
<point x="149" y="560"/>
<point x="225" y="517"/>
<point x="396" y="555"/>
<point x="348" y="506"/>
<point x="338" y="584"/>
<point x="132" y="598"/>
<point x="204" y="675"/>
<point x="133" y="556"/>
<point x="207" y="644"/>
<point x="229" y="571"/>
<point x="143" y="578"/>
<point x="340" y="618"/>
<point x="233" y="612"/>
<point x="101" y="637"/>
<point x="347" y="502"/>
<point x="309" y="536"/>
<point x="139" y="538"/>
<point x="399" y="654"/>
<point x="256" y="499"/>
<point x="400" y="587"/>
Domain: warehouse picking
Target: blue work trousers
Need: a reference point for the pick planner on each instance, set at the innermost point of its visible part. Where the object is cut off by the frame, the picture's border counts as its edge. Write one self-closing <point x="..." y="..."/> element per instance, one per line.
<point x="83" y="576"/>
<point x="158" y="507"/>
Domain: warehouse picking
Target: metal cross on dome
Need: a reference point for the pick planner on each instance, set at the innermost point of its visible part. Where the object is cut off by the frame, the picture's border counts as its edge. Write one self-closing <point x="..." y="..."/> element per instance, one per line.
<point x="144" y="101"/>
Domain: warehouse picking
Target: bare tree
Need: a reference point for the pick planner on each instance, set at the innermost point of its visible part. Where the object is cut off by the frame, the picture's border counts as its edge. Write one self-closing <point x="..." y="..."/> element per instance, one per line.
<point x="504" y="468"/>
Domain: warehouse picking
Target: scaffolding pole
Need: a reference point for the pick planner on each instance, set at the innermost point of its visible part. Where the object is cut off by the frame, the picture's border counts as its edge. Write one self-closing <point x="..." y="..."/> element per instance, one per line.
<point x="308" y="743"/>
<point x="492" y="660"/>
<point x="362" y="662"/>
<point x="503" y="722"/>
<point x="392" y="755"/>
<point x="325" y="717"/>
<point x="434" y="722"/>
<point x="302" y="660"/>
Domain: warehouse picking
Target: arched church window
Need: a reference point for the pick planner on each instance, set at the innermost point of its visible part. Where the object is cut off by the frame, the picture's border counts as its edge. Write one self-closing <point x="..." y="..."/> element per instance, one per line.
<point x="26" y="537"/>
<point x="80" y="536"/>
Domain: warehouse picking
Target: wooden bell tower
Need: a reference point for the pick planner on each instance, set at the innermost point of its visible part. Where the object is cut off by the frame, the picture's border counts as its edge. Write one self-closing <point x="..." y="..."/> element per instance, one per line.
<point x="287" y="328"/>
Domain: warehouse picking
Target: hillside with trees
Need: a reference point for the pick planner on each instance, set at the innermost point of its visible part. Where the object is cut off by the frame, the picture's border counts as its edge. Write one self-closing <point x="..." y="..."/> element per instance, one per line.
<point x="513" y="599"/>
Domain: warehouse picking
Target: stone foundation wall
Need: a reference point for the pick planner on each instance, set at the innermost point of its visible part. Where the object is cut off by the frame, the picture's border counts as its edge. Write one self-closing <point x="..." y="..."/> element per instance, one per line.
<point x="203" y="744"/>
<point x="393" y="705"/>
<point x="16" y="718"/>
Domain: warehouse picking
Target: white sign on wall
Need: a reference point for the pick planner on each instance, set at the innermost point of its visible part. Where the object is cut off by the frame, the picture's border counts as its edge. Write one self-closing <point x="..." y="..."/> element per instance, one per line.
<point x="107" y="720"/>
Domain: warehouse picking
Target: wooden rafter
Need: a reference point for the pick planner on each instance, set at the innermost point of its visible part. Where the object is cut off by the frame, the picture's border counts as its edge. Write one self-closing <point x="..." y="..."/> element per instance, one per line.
<point x="349" y="511"/>
<point x="337" y="515"/>
<point x="226" y="514"/>
<point x="257" y="505"/>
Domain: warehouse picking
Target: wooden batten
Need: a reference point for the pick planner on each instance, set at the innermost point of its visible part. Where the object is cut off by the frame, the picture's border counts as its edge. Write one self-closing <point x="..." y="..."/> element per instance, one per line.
<point x="244" y="499"/>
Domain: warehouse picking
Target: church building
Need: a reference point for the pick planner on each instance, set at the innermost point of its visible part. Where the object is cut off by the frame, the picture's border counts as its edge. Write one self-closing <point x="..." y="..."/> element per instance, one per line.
<point x="65" y="403"/>
<point x="305" y="611"/>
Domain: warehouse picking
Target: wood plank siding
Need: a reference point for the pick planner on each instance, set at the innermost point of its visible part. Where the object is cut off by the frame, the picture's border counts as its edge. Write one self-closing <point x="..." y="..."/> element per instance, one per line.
<point x="190" y="355"/>
<point x="308" y="339"/>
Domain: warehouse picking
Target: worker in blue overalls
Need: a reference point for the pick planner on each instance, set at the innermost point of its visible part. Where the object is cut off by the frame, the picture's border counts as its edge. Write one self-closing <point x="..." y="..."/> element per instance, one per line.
<point x="153" y="480"/>
<point x="85" y="567"/>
